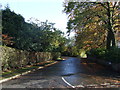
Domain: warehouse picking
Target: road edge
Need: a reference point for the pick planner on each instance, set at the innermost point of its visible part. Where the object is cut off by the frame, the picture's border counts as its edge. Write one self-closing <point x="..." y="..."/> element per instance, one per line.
<point x="24" y="73"/>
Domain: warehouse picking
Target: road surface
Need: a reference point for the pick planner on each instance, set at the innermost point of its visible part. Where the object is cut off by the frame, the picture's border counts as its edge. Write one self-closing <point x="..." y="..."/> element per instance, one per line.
<point x="70" y="73"/>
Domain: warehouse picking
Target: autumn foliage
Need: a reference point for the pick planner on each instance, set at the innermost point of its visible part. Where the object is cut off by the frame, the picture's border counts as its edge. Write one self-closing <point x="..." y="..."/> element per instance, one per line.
<point x="7" y="40"/>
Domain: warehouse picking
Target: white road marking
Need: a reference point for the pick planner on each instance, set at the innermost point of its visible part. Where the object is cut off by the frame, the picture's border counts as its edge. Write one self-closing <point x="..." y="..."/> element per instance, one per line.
<point x="67" y="83"/>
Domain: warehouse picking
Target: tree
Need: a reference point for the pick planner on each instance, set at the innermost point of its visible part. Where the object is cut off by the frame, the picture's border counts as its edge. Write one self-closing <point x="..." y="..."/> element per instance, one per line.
<point x="33" y="35"/>
<point x="12" y="25"/>
<point x="11" y="22"/>
<point x="50" y="38"/>
<point x="99" y="14"/>
<point x="70" y="48"/>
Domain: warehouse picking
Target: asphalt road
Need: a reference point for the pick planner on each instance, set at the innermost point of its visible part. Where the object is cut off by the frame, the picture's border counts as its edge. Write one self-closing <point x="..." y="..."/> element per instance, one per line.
<point x="70" y="73"/>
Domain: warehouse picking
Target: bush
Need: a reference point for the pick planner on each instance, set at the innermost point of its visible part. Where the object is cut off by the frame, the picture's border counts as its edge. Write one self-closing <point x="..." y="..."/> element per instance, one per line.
<point x="70" y="54"/>
<point x="98" y="53"/>
<point x="112" y="55"/>
<point x="56" y="55"/>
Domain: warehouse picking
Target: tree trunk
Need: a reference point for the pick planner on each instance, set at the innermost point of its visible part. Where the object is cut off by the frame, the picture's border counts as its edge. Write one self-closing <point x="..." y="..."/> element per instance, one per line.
<point x="113" y="40"/>
<point x="110" y="40"/>
<point x="110" y="34"/>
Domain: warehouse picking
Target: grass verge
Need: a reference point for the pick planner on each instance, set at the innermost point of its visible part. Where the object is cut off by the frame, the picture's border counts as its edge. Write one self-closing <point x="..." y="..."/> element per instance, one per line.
<point x="25" y="69"/>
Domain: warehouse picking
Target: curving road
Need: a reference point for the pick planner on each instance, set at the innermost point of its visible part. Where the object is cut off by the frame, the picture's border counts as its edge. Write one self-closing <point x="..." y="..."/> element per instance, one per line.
<point x="71" y="73"/>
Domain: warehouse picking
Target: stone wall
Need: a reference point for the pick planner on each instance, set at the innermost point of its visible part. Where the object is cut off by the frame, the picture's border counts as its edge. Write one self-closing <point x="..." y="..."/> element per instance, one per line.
<point x="12" y="58"/>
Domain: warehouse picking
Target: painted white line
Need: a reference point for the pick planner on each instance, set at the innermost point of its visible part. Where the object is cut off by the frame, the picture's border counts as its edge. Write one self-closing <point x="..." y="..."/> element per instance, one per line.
<point x="67" y="83"/>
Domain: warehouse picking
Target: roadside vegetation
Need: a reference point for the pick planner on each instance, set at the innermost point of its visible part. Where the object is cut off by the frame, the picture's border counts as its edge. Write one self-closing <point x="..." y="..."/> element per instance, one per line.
<point x="96" y="26"/>
<point x="31" y="42"/>
<point x="112" y="56"/>
<point x="10" y="73"/>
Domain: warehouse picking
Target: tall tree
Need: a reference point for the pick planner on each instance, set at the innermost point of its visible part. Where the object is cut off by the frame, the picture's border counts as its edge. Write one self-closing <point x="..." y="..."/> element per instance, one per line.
<point x="32" y="36"/>
<point x="12" y="24"/>
<point x="100" y="14"/>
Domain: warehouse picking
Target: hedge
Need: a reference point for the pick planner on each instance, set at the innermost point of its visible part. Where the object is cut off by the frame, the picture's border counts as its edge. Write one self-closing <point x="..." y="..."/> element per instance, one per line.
<point x="112" y="55"/>
<point x="12" y="58"/>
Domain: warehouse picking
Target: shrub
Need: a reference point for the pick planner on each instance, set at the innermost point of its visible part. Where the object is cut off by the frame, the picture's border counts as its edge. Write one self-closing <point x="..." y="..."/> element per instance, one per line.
<point x="112" y="55"/>
<point x="56" y="55"/>
<point x="98" y="53"/>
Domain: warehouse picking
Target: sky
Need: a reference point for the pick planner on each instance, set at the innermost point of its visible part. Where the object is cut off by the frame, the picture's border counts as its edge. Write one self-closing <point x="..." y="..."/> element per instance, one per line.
<point x="43" y="10"/>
